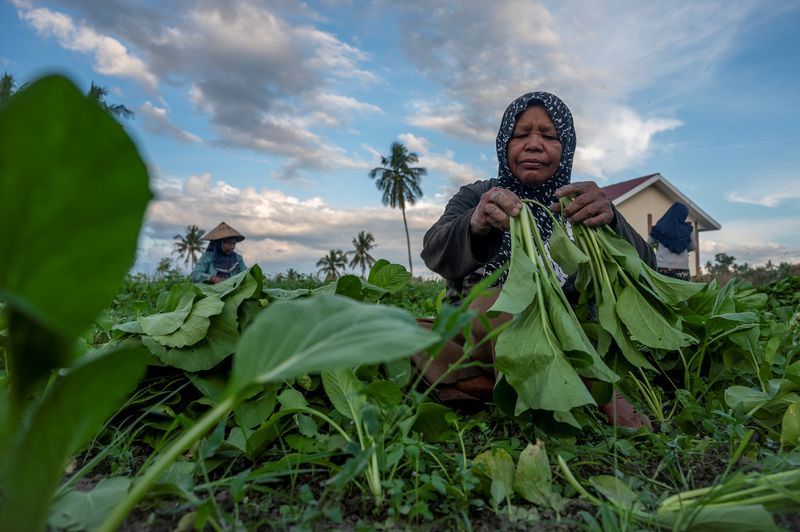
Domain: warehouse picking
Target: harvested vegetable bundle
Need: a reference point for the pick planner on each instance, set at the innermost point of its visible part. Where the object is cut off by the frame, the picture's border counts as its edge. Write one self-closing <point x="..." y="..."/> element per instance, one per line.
<point x="634" y="303"/>
<point x="544" y="352"/>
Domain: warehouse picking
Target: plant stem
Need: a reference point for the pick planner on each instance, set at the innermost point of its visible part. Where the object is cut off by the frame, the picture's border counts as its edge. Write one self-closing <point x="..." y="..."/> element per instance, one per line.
<point x="146" y="481"/>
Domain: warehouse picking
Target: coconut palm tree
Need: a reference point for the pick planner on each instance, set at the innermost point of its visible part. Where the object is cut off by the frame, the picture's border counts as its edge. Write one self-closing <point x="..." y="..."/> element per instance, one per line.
<point x="360" y="255"/>
<point x="98" y="95"/>
<point x="332" y="264"/>
<point x="400" y="183"/>
<point x="188" y="246"/>
<point x="8" y="86"/>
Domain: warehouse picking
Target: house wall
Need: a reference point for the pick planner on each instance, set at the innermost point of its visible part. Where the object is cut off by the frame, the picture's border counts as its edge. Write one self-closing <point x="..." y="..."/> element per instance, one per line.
<point x="651" y="201"/>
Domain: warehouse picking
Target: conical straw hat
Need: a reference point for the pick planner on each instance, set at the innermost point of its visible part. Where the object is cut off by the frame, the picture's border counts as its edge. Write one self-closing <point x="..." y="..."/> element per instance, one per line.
<point x="222" y="231"/>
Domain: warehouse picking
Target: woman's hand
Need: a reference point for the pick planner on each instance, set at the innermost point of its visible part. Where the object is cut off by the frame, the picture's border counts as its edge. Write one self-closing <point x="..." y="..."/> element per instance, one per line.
<point x="591" y="206"/>
<point x="496" y="206"/>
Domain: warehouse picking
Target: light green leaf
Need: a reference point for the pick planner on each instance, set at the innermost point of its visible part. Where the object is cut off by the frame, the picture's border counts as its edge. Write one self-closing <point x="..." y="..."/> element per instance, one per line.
<point x="646" y="325"/>
<point x="85" y="510"/>
<point x="323" y="333"/>
<point x="196" y="325"/>
<point x="609" y="321"/>
<point x="744" y="518"/>
<point x="623" y="251"/>
<point x="616" y="491"/>
<point x="670" y="290"/>
<point x="519" y="290"/>
<point x="533" y="479"/>
<point x="69" y="414"/>
<point x="500" y="469"/>
<point x="790" y="426"/>
<point x="564" y="251"/>
<point x="168" y="322"/>
<point x="576" y="345"/>
<point x="344" y="391"/>
<point x="529" y="356"/>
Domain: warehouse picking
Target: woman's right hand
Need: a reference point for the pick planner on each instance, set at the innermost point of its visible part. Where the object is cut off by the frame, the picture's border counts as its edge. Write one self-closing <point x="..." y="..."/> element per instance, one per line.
<point x="497" y="205"/>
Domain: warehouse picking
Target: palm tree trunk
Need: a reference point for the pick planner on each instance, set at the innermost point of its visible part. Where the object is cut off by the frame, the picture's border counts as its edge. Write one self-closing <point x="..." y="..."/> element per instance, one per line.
<point x="408" y="240"/>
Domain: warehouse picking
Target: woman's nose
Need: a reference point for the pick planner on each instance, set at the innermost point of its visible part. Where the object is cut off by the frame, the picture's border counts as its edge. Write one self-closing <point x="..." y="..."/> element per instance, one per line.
<point x="534" y="142"/>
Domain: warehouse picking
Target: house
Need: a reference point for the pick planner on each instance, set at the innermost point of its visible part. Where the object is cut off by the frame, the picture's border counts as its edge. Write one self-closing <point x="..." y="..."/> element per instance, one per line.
<point x="642" y="201"/>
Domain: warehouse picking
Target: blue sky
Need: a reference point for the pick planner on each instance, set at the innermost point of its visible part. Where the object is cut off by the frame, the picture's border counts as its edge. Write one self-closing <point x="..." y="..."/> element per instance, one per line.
<point x="269" y="115"/>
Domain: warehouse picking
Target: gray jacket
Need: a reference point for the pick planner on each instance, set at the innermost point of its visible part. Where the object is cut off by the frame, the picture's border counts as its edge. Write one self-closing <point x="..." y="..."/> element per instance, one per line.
<point x="452" y="251"/>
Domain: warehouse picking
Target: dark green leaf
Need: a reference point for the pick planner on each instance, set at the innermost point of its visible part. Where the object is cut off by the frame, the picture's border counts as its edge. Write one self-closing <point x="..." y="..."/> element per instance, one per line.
<point x="390" y="277"/>
<point x="72" y="186"/>
<point x="67" y="415"/>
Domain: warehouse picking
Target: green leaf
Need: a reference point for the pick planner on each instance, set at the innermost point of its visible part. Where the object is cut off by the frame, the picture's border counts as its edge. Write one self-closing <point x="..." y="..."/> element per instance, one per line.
<point x="291" y="398"/>
<point x="609" y="320"/>
<point x="66" y="416"/>
<point x="390" y="277"/>
<point x="790" y="426"/>
<point x="344" y="391"/>
<point x="574" y="342"/>
<point x="386" y="394"/>
<point x="196" y="325"/>
<point x="519" y="290"/>
<point x="646" y="325"/>
<point x="623" y="251"/>
<point x="431" y="420"/>
<point x="616" y="491"/>
<point x="85" y="510"/>
<point x="670" y="290"/>
<point x="721" y="519"/>
<point x="168" y="322"/>
<point x="529" y="356"/>
<point x="500" y="469"/>
<point x="72" y="186"/>
<point x="533" y="479"/>
<point x="323" y="333"/>
<point x="564" y="251"/>
<point x="350" y="286"/>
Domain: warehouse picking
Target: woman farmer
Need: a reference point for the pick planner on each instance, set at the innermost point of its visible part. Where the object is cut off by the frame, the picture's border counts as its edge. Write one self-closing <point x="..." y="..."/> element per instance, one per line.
<point x="672" y="236"/>
<point x="535" y="148"/>
<point x="219" y="261"/>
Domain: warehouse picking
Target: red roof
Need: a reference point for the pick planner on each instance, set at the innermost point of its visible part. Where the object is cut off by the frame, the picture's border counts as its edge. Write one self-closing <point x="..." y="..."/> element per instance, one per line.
<point x="618" y="189"/>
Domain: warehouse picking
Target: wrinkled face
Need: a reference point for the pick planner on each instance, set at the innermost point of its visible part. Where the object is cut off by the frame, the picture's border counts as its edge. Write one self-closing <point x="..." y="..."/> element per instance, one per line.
<point x="228" y="245"/>
<point x="534" y="151"/>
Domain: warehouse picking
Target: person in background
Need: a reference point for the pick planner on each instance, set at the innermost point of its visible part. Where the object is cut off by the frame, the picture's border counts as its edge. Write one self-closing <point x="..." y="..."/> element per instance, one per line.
<point x="673" y="238"/>
<point x="219" y="261"/>
<point x="535" y="148"/>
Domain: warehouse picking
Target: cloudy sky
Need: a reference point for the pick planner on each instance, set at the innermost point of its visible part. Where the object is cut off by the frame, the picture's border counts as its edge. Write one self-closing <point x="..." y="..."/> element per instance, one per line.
<point x="269" y="114"/>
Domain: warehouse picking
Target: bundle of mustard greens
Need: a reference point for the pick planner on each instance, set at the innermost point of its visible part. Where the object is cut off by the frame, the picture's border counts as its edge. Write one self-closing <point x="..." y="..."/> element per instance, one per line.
<point x="625" y="307"/>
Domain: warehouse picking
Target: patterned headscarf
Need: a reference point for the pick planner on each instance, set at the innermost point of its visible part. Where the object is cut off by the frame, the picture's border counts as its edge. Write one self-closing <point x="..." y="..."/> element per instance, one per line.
<point x="543" y="193"/>
<point x="672" y="230"/>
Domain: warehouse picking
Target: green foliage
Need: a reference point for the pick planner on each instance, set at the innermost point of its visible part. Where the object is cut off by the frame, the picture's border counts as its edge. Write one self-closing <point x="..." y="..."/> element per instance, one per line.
<point x="72" y="185"/>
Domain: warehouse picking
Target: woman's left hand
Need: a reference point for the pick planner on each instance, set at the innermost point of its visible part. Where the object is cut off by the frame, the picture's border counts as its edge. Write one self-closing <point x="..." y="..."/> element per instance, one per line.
<point x="591" y="206"/>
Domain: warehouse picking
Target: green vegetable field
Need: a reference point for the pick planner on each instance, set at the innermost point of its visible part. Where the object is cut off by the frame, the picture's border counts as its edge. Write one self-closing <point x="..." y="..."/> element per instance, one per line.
<point x="144" y="403"/>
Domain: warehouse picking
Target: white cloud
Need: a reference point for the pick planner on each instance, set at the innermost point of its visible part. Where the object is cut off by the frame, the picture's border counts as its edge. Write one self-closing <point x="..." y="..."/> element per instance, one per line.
<point x="282" y="231"/>
<point x="156" y="121"/>
<point x="596" y="55"/>
<point x="754" y="241"/>
<point x="111" y="56"/>
<point x="768" y="192"/>
<point x="456" y="173"/>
